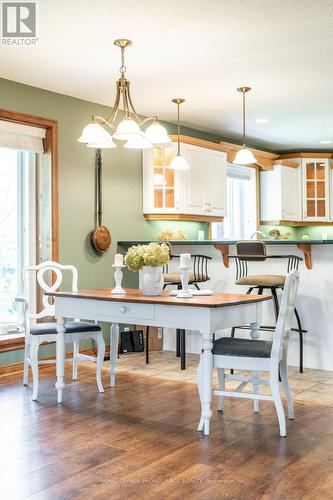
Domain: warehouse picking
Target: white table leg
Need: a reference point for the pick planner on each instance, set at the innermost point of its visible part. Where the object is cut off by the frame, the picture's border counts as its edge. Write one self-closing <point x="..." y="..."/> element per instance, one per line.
<point x="60" y="358"/>
<point x="206" y="385"/>
<point x="114" y="339"/>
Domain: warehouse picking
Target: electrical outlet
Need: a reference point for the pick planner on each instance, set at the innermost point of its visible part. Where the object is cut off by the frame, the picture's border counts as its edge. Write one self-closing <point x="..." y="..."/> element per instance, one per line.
<point x="126" y="329"/>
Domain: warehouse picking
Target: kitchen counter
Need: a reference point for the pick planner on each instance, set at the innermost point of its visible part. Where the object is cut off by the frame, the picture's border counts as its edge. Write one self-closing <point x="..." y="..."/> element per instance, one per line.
<point x="314" y="300"/>
<point x="223" y="246"/>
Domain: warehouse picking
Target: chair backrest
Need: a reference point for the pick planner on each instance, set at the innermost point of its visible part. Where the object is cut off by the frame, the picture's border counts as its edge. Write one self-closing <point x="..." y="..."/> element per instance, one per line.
<point x="284" y="322"/>
<point x="43" y="272"/>
<point x="251" y="250"/>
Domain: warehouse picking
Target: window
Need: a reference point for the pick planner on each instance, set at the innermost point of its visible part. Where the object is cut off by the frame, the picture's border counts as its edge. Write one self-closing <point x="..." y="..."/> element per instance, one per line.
<point x="240" y="222"/>
<point x="17" y="228"/>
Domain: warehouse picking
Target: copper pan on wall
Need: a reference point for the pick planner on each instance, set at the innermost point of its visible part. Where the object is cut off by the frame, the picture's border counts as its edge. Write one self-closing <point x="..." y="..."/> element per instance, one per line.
<point x="101" y="236"/>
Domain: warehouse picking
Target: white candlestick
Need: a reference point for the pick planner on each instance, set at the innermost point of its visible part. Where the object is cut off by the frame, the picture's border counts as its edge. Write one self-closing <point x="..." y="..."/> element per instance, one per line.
<point x="185" y="260"/>
<point x="118" y="276"/>
<point x="118" y="259"/>
<point x="184" y="276"/>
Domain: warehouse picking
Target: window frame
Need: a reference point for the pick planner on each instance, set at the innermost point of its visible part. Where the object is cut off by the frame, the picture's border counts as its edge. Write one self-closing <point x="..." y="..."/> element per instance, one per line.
<point x="13" y="341"/>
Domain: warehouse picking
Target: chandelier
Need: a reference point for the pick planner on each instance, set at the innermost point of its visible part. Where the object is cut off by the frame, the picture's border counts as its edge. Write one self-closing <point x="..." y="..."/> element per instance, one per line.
<point x="101" y="132"/>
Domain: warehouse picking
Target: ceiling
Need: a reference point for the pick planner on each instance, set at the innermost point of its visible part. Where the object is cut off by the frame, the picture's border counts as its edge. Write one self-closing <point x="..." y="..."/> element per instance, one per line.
<point x="201" y="50"/>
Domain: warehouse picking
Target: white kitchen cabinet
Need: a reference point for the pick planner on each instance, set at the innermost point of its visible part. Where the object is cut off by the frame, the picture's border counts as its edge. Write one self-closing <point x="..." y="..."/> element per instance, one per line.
<point x="315" y="180"/>
<point x="199" y="191"/>
<point x="161" y="185"/>
<point x="281" y="194"/>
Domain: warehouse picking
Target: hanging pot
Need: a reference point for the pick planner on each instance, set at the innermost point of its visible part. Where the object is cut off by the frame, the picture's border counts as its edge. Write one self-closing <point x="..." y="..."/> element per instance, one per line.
<point x="101" y="236"/>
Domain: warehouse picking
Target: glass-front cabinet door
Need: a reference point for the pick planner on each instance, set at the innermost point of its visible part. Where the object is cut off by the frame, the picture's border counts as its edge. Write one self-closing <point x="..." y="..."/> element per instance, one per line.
<point x="315" y="189"/>
<point x="162" y="183"/>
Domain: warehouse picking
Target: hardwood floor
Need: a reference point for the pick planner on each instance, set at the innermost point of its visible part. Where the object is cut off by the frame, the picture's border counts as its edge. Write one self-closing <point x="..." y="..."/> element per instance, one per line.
<point x="139" y="441"/>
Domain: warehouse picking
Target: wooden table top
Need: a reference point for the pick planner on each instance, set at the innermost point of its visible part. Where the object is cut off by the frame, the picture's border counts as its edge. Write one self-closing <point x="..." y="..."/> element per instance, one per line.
<point x="135" y="295"/>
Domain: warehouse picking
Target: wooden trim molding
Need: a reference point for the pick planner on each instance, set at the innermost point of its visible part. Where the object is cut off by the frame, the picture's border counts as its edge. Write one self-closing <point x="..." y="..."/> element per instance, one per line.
<point x="184" y="217"/>
<point x="11" y="342"/>
<point x="307" y="155"/>
<point x="51" y="148"/>
<point x="294" y="223"/>
<point x="287" y="163"/>
<point x="194" y="141"/>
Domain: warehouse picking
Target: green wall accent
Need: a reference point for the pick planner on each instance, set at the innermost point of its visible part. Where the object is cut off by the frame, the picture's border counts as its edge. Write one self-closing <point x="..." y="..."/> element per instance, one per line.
<point x="122" y="185"/>
<point x="283" y="230"/>
<point x="315" y="232"/>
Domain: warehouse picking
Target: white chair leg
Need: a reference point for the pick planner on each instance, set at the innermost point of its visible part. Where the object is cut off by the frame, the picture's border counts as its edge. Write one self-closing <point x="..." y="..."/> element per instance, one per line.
<point x="76" y="350"/>
<point x="286" y="388"/>
<point x="99" y="361"/>
<point x="274" y="382"/>
<point x="255" y="375"/>
<point x="199" y="380"/>
<point x="221" y="377"/>
<point x="34" y="346"/>
<point x="26" y="364"/>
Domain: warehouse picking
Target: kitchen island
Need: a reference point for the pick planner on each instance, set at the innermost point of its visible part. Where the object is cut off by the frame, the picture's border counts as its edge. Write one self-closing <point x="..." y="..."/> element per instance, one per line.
<point x="314" y="301"/>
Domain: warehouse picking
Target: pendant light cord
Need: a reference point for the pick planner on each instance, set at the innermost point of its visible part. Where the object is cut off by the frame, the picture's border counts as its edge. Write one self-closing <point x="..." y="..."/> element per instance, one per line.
<point x="244" y="143"/>
<point x="178" y="129"/>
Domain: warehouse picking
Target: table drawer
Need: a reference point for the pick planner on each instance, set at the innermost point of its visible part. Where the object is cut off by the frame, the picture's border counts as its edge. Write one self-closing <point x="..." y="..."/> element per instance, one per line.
<point x="125" y="311"/>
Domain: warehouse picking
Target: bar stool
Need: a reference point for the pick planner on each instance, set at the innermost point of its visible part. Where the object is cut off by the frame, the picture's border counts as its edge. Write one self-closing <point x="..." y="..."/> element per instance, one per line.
<point x="199" y="275"/>
<point x="247" y="251"/>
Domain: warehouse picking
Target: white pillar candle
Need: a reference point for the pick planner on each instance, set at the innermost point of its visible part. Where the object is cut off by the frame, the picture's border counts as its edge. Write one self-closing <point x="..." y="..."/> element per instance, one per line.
<point x="185" y="260"/>
<point x="118" y="259"/>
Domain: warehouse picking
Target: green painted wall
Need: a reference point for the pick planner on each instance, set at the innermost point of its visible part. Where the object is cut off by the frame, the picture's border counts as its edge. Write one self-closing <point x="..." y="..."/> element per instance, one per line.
<point x="122" y="185"/>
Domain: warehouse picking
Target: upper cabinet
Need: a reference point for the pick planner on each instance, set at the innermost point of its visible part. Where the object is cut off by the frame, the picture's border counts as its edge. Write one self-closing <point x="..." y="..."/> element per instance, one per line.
<point x="315" y="174"/>
<point x="198" y="193"/>
<point x="280" y="194"/>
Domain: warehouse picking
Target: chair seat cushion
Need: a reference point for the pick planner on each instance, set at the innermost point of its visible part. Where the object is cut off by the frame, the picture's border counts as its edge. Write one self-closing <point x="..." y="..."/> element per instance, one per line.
<point x="265" y="280"/>
<point x="71" y="327"/>
<point x="228" y="346"/>
<point x="175" y="278"/>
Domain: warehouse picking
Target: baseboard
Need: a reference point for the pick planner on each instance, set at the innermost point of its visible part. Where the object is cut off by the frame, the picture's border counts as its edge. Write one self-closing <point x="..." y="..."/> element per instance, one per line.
<point x="18" y="367"/>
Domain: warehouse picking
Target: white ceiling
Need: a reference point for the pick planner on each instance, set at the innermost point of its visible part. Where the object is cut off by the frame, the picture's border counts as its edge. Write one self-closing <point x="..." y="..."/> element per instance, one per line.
<point x="197" y="49"/>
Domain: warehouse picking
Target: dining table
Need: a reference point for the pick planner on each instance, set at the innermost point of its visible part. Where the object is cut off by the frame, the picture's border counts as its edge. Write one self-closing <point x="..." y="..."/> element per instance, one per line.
<point x="206" y="314"/>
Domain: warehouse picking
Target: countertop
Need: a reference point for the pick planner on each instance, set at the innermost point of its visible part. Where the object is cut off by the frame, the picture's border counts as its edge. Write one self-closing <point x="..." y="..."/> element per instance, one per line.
<point x="226" y="242"/>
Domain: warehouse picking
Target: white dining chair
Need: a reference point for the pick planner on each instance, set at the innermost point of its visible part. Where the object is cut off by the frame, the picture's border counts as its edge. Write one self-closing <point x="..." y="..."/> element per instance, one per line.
<point x="38" y="333"/>
<point x="256" y="356"/>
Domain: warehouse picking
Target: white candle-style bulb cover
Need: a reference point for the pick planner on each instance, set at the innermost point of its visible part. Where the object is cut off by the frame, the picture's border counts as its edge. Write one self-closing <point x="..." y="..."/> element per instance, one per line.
<point x="118" y="259"/>
<point x="184" y="293"/>
<point x="118" y="276"/>
<point x="185" y="260"/>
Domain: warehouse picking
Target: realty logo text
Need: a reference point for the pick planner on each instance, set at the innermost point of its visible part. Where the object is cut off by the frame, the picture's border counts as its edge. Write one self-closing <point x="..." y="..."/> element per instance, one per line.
<point x="19" y="23"/>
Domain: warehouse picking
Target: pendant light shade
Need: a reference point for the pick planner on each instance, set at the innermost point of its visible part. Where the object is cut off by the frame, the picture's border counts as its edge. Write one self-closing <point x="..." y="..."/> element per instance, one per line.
<point x="94" y="132"/>
<point x="244" y="156"/>
<point x="126" y="130"/>
<point x="157" y="134"/>
<point x="138" y="142"/>
<point x="129" y="128"/>
<point x="178" y="162"/>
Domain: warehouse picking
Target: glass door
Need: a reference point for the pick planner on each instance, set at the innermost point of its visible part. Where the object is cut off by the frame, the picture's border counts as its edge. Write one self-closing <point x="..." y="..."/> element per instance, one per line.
<point x="164" y="182"/>
<point x="315" y="190"/>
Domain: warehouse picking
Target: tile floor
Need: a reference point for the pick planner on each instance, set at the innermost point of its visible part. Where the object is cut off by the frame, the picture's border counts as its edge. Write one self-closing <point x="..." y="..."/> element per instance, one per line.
<point x="315" y="386"/>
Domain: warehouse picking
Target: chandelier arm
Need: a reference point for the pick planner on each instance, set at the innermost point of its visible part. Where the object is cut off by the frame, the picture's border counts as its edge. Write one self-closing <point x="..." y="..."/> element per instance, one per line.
<point x="110" y="119"/>
<point x="125" y="102"/>
<point x="151" y="118"/>
<point x="131" y="106"/>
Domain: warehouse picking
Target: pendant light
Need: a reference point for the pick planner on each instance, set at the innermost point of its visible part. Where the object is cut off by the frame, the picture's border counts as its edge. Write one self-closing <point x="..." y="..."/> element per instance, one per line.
<point x="178" y="162"/>
<point x="244" y="156"/>
<point x="96" y="135"/>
